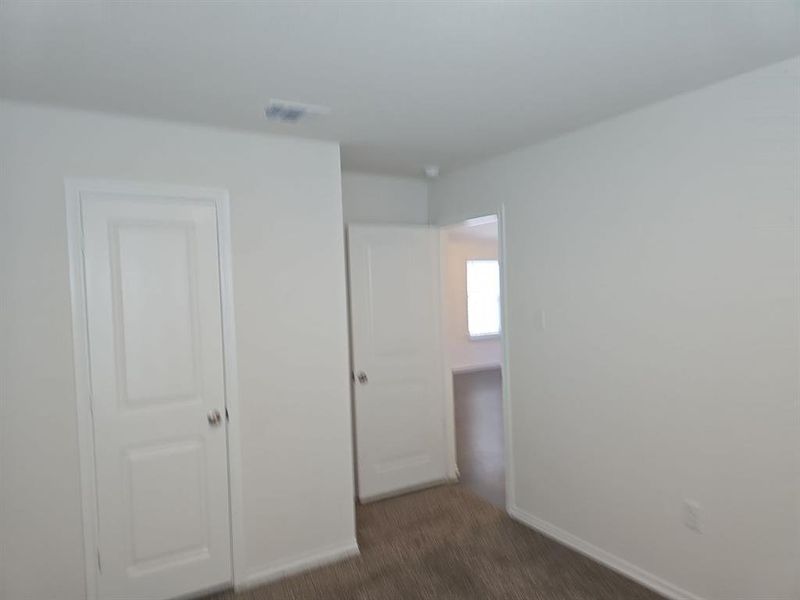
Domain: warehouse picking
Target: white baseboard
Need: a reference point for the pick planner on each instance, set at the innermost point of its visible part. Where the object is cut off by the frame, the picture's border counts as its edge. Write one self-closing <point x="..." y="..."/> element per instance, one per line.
<point x="462" y="369"/>
<point x="629" y="570"/>
<point x="425" y="485"/>
<point x="298" y="564"/>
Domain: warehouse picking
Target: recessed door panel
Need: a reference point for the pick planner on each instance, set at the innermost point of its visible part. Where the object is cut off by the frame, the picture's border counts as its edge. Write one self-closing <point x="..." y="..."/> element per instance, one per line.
<point x="398" y="314"/>
<point x="154" y="304"/>
<point x="168" y="512"/>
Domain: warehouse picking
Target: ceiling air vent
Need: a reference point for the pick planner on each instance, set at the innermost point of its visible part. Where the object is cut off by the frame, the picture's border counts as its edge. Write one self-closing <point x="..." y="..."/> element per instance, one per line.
<point x="288" y="111"/>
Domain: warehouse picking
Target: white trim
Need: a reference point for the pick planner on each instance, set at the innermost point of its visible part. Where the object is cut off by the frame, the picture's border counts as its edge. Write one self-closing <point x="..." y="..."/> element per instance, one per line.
<point x="502" y="256"/>
<point x="80" y="352"/>
<point x="620" y="565"/>
<point x="417" y="487"/>
<point x="73" y="189"/>
<point x="435" y="244"/>
<point x="450" y="425"/>
<point x="235" y="475"/>
<point x="301" y="563"/>
<point x="447" y="389"/>
<point x="477" y="368"/>
<point x="487" y="337"/>
<point x="493" y="218"/>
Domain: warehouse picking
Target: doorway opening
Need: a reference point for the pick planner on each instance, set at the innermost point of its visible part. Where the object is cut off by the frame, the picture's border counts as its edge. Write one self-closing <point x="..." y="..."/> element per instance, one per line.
<point x="473" y="352"/>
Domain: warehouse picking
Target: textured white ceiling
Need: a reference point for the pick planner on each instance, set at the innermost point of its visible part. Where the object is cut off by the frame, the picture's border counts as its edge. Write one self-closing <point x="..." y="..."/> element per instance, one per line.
<point x="409" y="83"/>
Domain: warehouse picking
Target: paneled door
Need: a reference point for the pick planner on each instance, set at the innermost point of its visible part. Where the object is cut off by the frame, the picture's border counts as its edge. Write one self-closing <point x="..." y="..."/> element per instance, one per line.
<point x="397" y="360"/>
<point x="152" y="286"/>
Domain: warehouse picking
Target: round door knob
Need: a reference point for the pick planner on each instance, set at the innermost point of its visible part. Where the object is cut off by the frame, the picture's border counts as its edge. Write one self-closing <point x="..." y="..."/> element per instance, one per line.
<point x="214" y="417"/>
<point x="362" y="377"/>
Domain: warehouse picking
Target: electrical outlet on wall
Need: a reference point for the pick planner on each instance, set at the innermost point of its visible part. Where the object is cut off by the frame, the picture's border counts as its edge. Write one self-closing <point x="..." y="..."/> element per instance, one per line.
<point x="691" y="516"/>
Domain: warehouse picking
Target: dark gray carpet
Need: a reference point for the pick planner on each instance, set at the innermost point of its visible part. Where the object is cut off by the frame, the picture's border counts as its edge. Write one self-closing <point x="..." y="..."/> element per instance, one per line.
<point x="446" y="543"/>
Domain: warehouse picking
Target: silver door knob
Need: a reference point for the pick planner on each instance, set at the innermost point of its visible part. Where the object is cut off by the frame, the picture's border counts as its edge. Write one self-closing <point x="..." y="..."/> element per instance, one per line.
<point x="362" y="377"/>
<point x="214" y="417"/>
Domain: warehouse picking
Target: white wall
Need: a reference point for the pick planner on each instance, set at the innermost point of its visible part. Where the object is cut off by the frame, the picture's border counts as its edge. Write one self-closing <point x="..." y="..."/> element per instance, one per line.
<point x="463" y="353"/>
<point x="382" y="199"/>
<point x="289" y="288"/>
<point x="663" y="247"/>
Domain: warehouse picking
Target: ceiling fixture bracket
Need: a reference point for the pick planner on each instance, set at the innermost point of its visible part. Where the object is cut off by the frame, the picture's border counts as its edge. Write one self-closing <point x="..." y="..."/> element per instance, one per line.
<point x="432" y="171"/>
<point x="289" y="111"/>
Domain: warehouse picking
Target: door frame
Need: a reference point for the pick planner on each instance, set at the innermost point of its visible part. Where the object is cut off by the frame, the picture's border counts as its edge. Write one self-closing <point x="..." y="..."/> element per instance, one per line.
<point x="502" y="257"/>
<point x="74" y="188"/>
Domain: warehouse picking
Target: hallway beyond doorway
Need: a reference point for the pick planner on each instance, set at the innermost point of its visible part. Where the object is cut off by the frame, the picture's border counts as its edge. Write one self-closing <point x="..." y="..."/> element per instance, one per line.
<point x="480" y="446"/>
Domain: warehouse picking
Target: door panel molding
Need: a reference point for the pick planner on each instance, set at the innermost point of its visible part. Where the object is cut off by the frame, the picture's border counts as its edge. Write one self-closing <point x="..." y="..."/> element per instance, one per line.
<point x="75" y="191"/>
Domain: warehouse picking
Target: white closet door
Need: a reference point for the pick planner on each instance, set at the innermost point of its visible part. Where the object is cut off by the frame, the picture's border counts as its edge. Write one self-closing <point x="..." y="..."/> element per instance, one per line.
<point x="155" y="339"/>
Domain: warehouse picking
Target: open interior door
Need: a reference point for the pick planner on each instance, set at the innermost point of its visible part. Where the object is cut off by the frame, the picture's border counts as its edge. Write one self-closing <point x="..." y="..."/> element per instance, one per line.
<point x="397" y="361"/>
